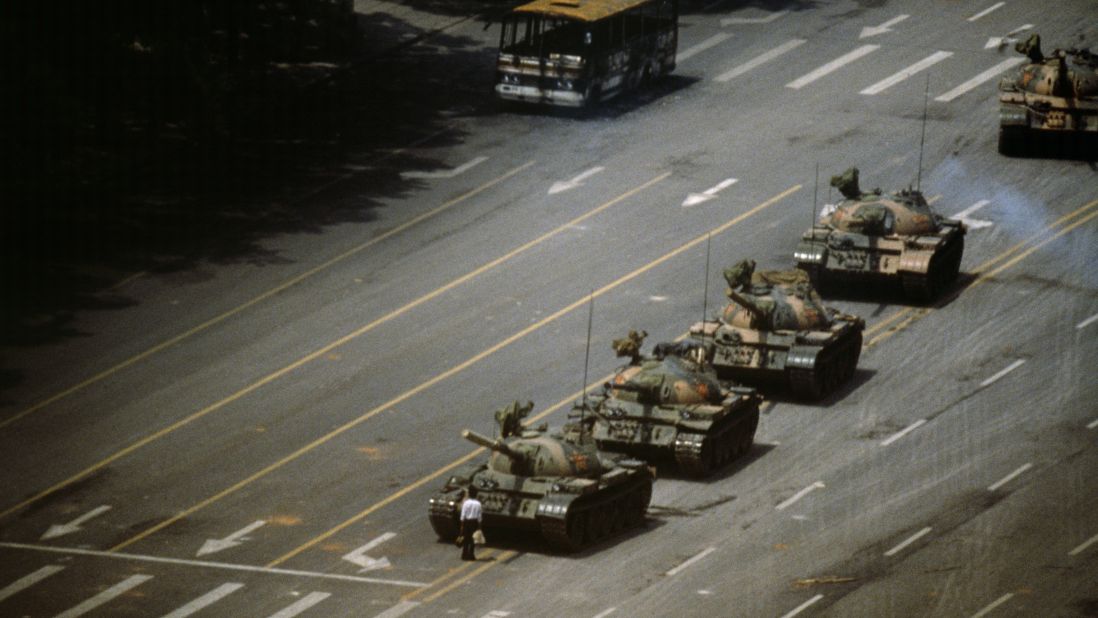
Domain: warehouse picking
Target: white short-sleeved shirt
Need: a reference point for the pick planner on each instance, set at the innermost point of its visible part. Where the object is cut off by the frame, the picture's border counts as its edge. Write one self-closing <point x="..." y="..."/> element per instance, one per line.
<point x="470" y="509"/>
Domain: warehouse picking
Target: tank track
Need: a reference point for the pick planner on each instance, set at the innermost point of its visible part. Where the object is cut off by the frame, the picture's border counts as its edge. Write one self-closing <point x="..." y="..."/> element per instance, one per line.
<point x="589" y="521"/>
<point x="941" y="273"/>
<point x="699" y="454"/>
<point x="833" y="367"/>
<point x="443" y="520"/>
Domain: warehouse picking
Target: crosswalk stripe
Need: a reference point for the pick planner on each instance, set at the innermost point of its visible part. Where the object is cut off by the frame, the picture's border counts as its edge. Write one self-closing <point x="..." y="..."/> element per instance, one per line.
<point x="310" y="600"/>
<point x="892" y="80"/>
<point x="109" y="594"/>
<point x="832" y="66"/>
<point x="205" y="600"/>
<point x="979" y="79"/>
<point x="761" y="59"/>
<point x="29" y="580"/>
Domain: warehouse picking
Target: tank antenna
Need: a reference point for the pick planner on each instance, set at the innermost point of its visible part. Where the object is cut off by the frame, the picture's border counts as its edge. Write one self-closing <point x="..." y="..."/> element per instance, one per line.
<point x="922" y="138"/>
<point x="816" y="194"/>
<point x="587" y="353"/>
<point x="705" y="294"/>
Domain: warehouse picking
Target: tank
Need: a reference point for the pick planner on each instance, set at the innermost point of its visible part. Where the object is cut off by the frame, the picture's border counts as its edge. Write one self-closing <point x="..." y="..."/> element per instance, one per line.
<point x="670" y="406"/>
<point x="882" y="239"/>
<point x="777" y="331"/>
<point x="1053" y="94"/>
<point x="555" y="484"/>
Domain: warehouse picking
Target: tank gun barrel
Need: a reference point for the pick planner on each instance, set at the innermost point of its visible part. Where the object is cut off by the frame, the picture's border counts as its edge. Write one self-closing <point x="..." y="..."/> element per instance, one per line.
<point x="751" y="306"/>
<point x="497" y="445"/>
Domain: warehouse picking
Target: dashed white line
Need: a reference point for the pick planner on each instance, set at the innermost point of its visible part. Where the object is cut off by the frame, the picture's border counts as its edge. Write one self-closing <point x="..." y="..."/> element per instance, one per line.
<point x="903" y="432"/>
<point x="971" y="209"/>
<point x="1092" y="424"/>
<point x="1016" y="364"/>
<point x="996" y="603"/>
<point x="1010" y="477"/>
<point x="26" y="582"/>
<point x="800" y="494"/>
<point x="979" y="79"/>
<point x="301" y="605"/>
<point x="803" y="606"/>
<point x="832" y="66"/>
<point x="461" y="169"/>
<point x="733" y="21"/>
<point x="761" y="59"/>
<point x="106" y="596"/>
<point x="984" y="12"/>
<point x="1087" y="322"/>
<point x="691" y="561"/>
<point x="892" y="80"/>
<point x="205" y="600"/>
<point x="716" y="39"/>
<point x="496" y="613"/>
<point x="908" y="541"/>
<point x="1087" y="543"/>
<point x="606" y="613"/>
<point x="398" y="610"/>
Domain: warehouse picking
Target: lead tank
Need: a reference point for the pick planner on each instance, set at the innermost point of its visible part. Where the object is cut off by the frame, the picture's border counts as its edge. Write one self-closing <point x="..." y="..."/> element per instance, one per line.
<point x="671" y="406"/>
<point x="776" y="330"/>
<point x="877" y="238"/>
<point x="555" y="484"/>
<point x="1053" y="94"/>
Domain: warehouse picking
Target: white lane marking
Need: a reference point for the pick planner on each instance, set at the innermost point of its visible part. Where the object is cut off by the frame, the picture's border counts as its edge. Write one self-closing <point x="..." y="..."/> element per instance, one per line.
<point x="657" y="299"/>
<point x="803" y="606"/>
<point x="716" y="39"/>
<point x="1087" y="322"/>
<point x="496" y="613"/>
<point x="212" y="546"/>
<point x="367" y="563"/>
<point x="892" y="80"/>
<point x="734" y="21"/>
<point x="832" y="66"/>
<point x="986" y="11"/>
<point x="26" y="582"/>
<point x="996" y="603"/>
<point x="107" y="595"/>
<point x="301" y="605"/>
<point x="461" y="169"/>
<point x="606" y="613"/>
<point x="975" y="224"/>
<point x="1010" y="477"/>
<point x="705" y="552"/>
<point x="694" y="199"/>
<point x="1016" y="364"/>
<point x="979" y="79"/>
<point x="911" y="539"/>
<point x="761" y="59"/>
<point x="1087" y="543"/>
<point x="883" y="28"/>
<point x="57" y="530"/>
<point x="1092" y="424"/>
<point x="800" y="494"/>
<point x="213" y="565"/>
<point x="903" y="432"/>
<point x="565" y="185"/>
<point x="398" y="610"/>
<point x="1000" y="41"/>
<point x="205" y="600"/>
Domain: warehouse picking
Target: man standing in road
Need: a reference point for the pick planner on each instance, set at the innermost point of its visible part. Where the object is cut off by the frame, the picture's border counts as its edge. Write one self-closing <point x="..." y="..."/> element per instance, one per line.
<point x="470" y="523"/>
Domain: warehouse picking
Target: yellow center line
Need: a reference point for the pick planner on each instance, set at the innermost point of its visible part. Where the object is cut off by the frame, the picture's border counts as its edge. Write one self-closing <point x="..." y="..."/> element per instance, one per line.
<point x="885" y="322"/>
<point x="1057" y="223"/>
<point x="453" y="572"/>
<point x="264" y="296"/>
<point x="457" y="582"/>
<point x="331" y="346"/>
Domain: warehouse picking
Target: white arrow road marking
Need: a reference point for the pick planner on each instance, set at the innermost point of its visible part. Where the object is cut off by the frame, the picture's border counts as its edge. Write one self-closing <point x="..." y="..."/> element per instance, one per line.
<point x="1005" y="65"/>
<point x="215" y="545"/>
<point x="461" y="169"/>
<point x="205" y="600"/>
<point x="761" y="59"/>
<point x="984" y="12"/>
<point x="109" y="594"/>
<point x="367" y="563"/>
<point x="908" y="541"/>
<point x="716" y="39"/>
<point x="883" y="28"/>
<point x="803" y="606"/>
<point x="565" y="185"/>
<point x="834" y="65"/>
<point x="56" y="530"/>
<point x="800" y="494"/>
<point x="697" y="198"/>
<point x="888" y="82"/>
<point x="310" y="600"/>
<point x="975" y="224"/>
<point x="734" y="21"/>
<point x="999" y="41"/>
<point x="28" y="581"/>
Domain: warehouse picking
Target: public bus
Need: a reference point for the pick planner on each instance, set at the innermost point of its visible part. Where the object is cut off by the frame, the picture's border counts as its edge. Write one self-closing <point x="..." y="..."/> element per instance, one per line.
<point x="575" y="53"/>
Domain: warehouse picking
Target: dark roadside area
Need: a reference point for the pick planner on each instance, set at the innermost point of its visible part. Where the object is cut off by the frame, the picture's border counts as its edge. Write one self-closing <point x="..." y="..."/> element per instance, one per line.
<point x="145" y="136"/>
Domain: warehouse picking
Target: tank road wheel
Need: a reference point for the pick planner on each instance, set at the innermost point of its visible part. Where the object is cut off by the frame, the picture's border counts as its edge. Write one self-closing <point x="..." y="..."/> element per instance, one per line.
<point x="747" y="435"/>
<point x="576" y="530"/>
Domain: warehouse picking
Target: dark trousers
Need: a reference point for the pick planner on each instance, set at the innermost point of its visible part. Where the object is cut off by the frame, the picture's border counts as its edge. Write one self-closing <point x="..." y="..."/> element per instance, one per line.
<point x="468" y="527"/>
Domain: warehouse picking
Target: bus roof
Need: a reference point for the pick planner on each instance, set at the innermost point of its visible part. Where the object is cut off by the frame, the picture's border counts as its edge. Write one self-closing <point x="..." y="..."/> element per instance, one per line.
<point x="582" y="10"/>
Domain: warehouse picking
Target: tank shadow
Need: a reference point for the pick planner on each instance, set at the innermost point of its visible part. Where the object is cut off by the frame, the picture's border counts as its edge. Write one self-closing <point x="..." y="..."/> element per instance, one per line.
<point x="1082" y="147"/>
<point x="530" y="541"/>
<point x="780" y="394"/>
<point x="668" y="470"/>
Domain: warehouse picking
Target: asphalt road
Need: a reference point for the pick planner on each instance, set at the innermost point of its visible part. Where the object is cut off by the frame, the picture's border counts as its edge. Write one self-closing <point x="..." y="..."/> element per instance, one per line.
<point x="301" y="408"/>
